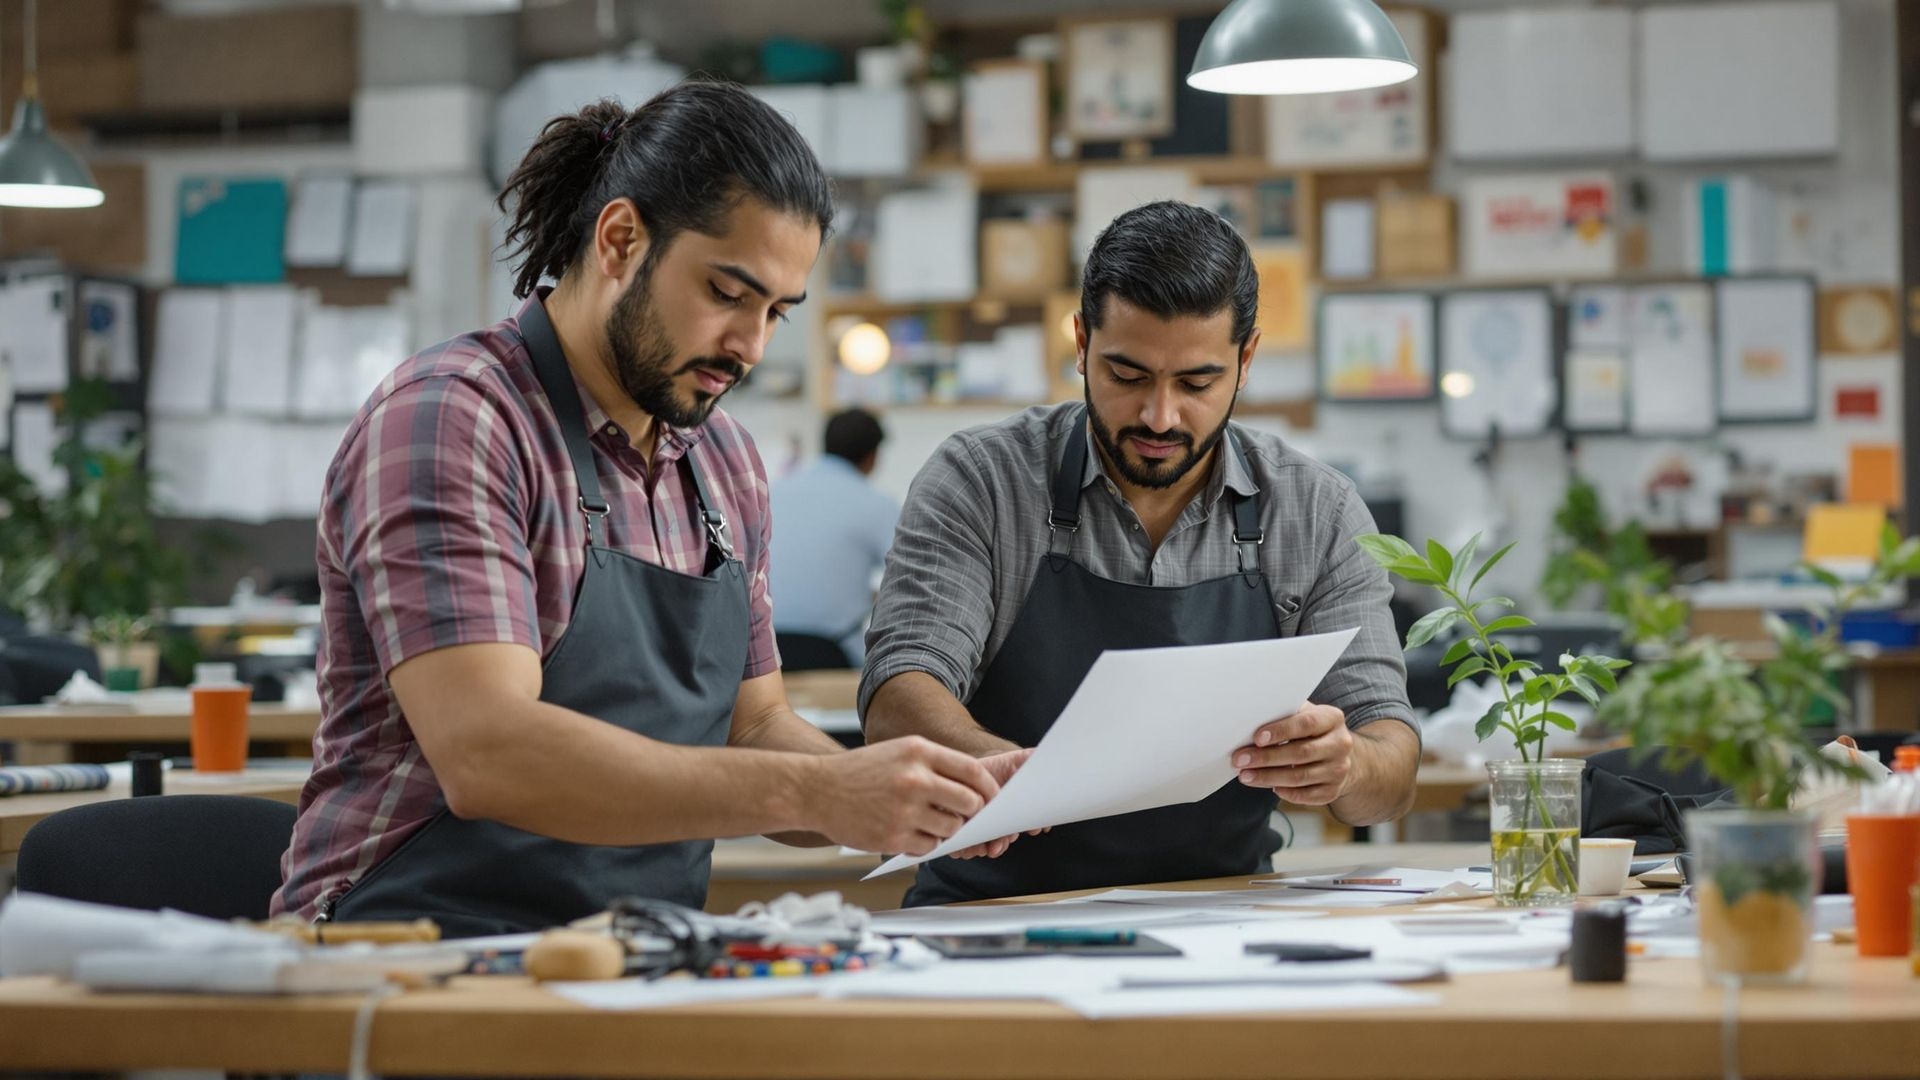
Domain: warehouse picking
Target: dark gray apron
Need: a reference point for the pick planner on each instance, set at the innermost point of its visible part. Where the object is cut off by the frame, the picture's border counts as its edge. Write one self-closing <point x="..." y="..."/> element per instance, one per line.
<point x="1070" y="617"/>
<point x="650" y="650"/>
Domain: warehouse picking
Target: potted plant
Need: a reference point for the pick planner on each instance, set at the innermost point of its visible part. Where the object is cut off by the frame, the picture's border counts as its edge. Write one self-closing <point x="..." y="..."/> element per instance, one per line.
<point x="1755" y="865"/>
<point x="1535" y="800"/>
<point x="128" y="660"/>
<point x="1588" y="551"/>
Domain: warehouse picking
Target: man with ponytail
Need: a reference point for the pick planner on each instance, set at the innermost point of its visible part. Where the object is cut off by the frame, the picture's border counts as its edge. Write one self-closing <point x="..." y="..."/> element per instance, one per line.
<point x="547" y="667"/>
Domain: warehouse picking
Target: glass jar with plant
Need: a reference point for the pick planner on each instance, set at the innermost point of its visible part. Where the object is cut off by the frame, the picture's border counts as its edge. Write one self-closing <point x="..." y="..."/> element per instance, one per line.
<point x="1535" y="801"/>
<point x="1755" y="867"/>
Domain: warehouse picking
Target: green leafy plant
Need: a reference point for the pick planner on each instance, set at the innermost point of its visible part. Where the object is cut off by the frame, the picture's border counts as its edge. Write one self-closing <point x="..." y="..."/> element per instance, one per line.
<point x="1533" y="844"/>
<point x="1744" y="720"/>
<point x="90" y="557"/>
<point x="1524" y="713"/>
<point x="1587" y="551"/>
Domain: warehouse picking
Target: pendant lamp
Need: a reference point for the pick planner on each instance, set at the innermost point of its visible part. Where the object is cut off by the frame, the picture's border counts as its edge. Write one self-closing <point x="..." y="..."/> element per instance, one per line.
<point x="1300" y="47"/>
<point x="35" y="169"/>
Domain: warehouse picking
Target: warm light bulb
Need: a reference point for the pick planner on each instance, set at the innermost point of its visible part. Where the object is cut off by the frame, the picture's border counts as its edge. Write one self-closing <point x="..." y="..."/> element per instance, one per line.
<point x="1456" y="384"/>
<point x="864" y="349"/>
<point x="1315" y="75"/>
<point x="50" y="196"/>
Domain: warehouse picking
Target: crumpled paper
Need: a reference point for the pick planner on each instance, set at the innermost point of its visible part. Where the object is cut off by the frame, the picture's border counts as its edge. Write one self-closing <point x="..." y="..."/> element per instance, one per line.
<point x="81" y="690"/>
<point x="1834" y="797"/>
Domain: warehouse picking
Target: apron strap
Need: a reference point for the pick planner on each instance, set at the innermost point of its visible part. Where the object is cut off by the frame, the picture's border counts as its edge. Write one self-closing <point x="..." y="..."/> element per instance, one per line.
<point x="1064" y="514"/>
<point x="550" y="366"/>
<point x="1247" y="533"/>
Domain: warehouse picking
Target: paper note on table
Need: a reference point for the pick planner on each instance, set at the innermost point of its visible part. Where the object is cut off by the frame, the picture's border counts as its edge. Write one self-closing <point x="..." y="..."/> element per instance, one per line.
<point x="1149" y="728"/>
<point x="1393" y="879"/>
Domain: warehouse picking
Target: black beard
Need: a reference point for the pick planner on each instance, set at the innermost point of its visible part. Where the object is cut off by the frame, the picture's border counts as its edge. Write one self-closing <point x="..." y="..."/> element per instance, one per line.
<point x="1153" y="476"/>
<point x="642" y="355"/>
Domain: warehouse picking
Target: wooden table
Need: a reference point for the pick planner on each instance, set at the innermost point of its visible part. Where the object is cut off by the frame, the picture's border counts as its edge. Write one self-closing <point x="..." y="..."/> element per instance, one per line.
<point x="18" y="813"/>
<point x="49" y="734"/>
<point x="1857" y="1019"/>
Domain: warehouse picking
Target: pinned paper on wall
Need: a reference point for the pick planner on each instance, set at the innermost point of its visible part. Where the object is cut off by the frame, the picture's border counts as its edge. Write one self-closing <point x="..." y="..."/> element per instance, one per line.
<point x="382" y="239"/>
<point x="1496" y="363"/>
<point x="1347" y="239"/>
<point x="1539" y="226"/>
<point x="1005" y="113"/>
<point x="1596" y="391"/>
<point x="1105" y="193"/>
<point x="257" y="359"/>
<point x="1856" y="402"/>
<point x="926" y="245"/>
<point x="1873" y="474"/>
<point x="344" y="353"/>
<point x="318" y="224"/>
<point x="1283" y="317"/>
<point x="1384" y="126"/>
<point x="109" y="331"/>
<point x="186" y="351"/>
<point x="35" y="434"/>
<point x="1670" y="342"/>
<point x="1597" y="317"/>
<point x="1843" y="531"/>
<point x="1376" y="347"/>
<point x="1766" y="348"/>
<point x="33" y="334"/>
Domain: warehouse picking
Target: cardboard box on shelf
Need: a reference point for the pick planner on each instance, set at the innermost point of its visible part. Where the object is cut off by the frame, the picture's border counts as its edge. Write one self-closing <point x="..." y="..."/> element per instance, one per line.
<point x="1022" y="260"/>
<point x="293" y="58"/>
<point x="1416" y="236"/>
<point x="108" y="237"/>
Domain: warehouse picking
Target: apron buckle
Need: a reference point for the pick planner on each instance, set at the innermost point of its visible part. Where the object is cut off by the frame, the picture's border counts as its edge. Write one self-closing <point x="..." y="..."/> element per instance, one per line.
<point x="717" y="529"/>
<point x="1249" y="557"/>
<point x="590" y="509"/>
<point x="1055" y="525"/>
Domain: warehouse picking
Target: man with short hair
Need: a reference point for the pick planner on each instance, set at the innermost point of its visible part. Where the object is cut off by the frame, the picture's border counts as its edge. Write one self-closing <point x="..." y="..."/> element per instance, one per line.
<point x="547" y="669"/>
<point x="1140" y="517"/>
<point x="835" y="528"/>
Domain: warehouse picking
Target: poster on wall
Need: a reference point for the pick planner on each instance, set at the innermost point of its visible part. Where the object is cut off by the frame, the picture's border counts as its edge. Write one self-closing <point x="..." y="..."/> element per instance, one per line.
<point x="1767" y="337"/>
<point x="1597" y="317"/>
<point x="1553" y="225"/>
<point x="1385" y="126"/>
<point x="1283" y="314"/>
<point x="1119" y="76"/>
<point x="1496" y="363"/>
<point x="1670" y="345"/>
<point x="1596" y="391"/>
<point x="1376" y="347"/>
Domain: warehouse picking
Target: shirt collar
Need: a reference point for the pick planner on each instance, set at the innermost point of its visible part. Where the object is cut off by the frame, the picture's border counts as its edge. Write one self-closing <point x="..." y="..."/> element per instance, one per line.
<point x="1231" y="473"/>
<point x="599" y="424"/>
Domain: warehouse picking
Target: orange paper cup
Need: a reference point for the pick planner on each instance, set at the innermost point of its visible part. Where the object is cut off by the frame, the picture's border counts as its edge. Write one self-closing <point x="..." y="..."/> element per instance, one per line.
<point x="1883" y="862"/>
<point x="220" y="728"/>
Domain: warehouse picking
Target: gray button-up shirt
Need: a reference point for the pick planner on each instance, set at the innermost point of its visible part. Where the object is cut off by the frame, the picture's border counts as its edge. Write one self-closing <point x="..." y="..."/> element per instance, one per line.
<point x="974" y="530"/>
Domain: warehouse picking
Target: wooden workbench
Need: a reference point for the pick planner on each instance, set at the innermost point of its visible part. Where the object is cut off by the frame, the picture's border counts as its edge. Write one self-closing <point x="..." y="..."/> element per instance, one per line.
<point x="49" y="734"/>
<point x="1857" y="1019"/>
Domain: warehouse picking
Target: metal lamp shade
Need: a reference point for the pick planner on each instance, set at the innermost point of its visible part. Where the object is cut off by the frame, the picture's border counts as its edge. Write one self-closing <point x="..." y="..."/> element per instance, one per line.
<point x="1300" y="47"/>
<point x="36" y="170"/>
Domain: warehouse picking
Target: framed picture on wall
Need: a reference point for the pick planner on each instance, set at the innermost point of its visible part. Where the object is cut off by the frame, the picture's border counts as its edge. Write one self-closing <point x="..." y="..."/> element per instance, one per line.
<point x="1385" y="127"/>
<point x="1496" y="363"/>
<point x="1539" y="226"/>
<point x="1768" y="336"/>
<point x="1004" y="113"/>
<point x="1670" y="359"/>
<point x="1594" y="398"/>
<point x="1119" y="77"/>
<point x="1284" y="316"/>
<point x="1376" y="347"/>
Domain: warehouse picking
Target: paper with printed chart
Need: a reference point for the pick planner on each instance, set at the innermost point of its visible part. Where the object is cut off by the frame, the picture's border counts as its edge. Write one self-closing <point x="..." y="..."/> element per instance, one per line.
<point x="1150" y="728"/>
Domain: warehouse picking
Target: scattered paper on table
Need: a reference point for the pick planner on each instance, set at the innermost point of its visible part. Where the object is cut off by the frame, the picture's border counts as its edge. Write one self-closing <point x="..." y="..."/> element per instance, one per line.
<point x="1149" y="728"/>
<point x="665" y="993"/>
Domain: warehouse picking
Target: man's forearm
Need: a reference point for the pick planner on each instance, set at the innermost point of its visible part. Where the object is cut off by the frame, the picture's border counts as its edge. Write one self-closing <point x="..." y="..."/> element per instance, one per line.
<point x="915" y="703"/>
<point x="1386" y="765"/>
<point x="578" y="779"/>
<point x="783" y="729"/>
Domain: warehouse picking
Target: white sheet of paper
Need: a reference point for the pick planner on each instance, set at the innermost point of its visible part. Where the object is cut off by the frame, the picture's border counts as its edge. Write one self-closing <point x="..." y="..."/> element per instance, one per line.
<point x="1190" y="1001"/>
<point x="1410" y="880"/>
<point x="34" y="436"/>
<point x="186" y="351"/>
<point x="925" y="245"/>
<point x="1011" y="918"/>
<point x="259" y="336"/>
<point x="1347" y="246"/>
<point x="663" y="993"/>
<point x="317" y="223"/>
<point x="1036" y="978"/>
<point x="1150" y="728"/>
<point x="33" y="334"/>
<point x="382" y="244"/>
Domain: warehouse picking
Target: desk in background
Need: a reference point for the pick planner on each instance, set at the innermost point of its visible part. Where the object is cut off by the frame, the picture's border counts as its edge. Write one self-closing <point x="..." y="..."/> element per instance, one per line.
<point x="1858" y="1019"/>
<point x="18" y="813"/>
<point x="55" y="734"/>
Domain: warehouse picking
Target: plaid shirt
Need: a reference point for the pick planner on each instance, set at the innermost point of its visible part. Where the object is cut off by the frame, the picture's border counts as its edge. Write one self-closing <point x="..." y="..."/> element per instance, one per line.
<point x="974" y="529"/>
<point x="448" y="519"/>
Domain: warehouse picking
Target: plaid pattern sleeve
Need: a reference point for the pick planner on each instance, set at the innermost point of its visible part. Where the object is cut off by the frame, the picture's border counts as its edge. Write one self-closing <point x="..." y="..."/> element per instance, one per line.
<point x="433" y="522"/>
<point x="1369" y="682"/>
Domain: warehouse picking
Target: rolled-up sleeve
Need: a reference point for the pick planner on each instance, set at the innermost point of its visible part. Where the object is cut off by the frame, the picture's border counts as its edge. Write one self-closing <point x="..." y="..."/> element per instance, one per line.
<point x="1370" y="681"/>
<point x="935" y="608"/>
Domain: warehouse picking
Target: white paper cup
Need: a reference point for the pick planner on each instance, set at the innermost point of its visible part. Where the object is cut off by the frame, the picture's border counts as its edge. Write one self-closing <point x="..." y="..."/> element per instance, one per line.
<point x="1604" y="865"/>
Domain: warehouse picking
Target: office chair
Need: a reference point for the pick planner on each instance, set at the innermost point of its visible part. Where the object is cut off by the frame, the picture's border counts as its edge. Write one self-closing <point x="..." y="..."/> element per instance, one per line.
<point x="212" y="855"/>
<point x="809" y="652"/>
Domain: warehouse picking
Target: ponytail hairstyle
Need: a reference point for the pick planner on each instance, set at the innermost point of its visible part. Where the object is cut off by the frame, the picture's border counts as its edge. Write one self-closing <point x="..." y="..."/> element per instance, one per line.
<point x="686" y="158"/>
